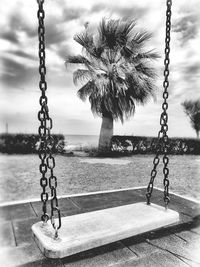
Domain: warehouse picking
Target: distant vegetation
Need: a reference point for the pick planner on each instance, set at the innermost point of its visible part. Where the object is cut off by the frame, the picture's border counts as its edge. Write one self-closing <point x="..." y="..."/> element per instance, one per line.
<point x="147" y="145"/>
<point x="192" y="110"/>
<point x="27" y="143"/>
<point x="132" y="145"/>
<point x="120" y="145"/>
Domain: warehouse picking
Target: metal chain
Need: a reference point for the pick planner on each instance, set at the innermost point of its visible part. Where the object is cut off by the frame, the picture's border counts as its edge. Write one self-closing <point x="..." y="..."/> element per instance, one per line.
<point x="46" y="139"/>
<point x="162" y="145"/>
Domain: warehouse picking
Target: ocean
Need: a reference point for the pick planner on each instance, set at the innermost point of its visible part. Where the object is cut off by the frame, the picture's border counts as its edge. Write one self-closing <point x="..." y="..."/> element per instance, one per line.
<point x="75" y="141"/>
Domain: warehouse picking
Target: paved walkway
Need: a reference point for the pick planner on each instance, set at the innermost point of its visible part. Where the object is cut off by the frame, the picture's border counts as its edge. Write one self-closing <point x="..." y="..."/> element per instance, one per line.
<point x="177" y="245"/>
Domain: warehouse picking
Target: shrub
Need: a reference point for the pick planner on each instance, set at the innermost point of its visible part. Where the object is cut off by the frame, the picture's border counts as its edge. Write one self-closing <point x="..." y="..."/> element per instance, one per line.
<point x="148" y="145"/>
<point x="27" y="143"/>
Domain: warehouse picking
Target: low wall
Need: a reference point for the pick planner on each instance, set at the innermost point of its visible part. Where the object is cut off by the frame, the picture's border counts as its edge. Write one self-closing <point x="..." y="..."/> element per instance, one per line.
<point x="147" y="145"/>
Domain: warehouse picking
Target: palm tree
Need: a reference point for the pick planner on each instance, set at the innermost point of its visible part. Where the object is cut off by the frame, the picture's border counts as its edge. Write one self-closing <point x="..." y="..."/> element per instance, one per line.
<point x="192" y="110"/>
<point x="115" y="73"/>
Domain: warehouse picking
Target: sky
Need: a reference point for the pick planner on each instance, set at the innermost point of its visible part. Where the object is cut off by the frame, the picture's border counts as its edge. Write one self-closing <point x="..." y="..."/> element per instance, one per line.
<point x="19" y="92"/>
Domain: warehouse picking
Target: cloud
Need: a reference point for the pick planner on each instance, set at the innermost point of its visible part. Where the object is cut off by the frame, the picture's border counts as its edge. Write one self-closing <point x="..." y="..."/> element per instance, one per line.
<point x="188" y="27"/>
<point x="127" y="12"/>
<point x="54" y="33"/>
<point x="17" y="74"/>
<point x="15" y="27"/>
<point x="73" y="13"/>
<point x="58" y="30"/>
<point x="184" y="82"/>
<point x="18" y="23"/>
<point x="9" y="36"/>
<point x="23" y="54"/>
<point x="63" y="51"/>
<point x="98" y="7"/>
<point x="122" y="11"/>
<point x="192" y="69"/>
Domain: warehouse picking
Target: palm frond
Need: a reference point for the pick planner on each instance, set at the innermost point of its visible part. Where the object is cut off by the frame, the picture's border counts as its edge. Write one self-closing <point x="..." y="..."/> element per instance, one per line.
<point x="124" y="31"/>
<point x="85" y="40"/>
<point x="135" y="43"/>
<point x="91" y="49"/>
<point x="140" y="88"/>
<point x="192" y="110"/>
<point x="79" y="59"/>
<point x="108" y="33"/>
<point x="141" y="37"/>
<point x="81" y="75"/>
<point x="127" y="52"/>
<point x="191" y="107"/>
<point x="152" y="55"/>
<point x="86" y="90"/>
<point x="146" y="70"/>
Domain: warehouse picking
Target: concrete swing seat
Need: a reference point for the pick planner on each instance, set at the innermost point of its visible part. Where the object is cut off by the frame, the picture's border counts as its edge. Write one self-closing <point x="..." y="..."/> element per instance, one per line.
<point x="85" y="231"/>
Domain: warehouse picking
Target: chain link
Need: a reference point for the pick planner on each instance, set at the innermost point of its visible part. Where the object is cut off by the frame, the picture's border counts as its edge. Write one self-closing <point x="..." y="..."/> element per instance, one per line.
<point x="163" y="140"/>
<point x="44" y="130"/>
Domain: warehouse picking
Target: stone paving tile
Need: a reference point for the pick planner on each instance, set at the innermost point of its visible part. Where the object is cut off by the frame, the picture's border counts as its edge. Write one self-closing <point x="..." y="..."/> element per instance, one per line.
<point x="192" y="244"/>
<point x="180" y="246"/>
<point x="18" y="211"/>
<point x="26" y="256"/>
<point x="100" y="201"/>
<point x="17" y="256"/>
<point x="157" y="259"/>
<point x="6" y="235"/>
<point x="196" y="229"/>
<point x="189" y="236"/>
<point x="102" y="256"/>
<point x="44" y="263"/>
<point x="22" y="230"/>
<point x="37" y="208"/>
<point x="141" y="248"/>
<point x="66" y="206"/>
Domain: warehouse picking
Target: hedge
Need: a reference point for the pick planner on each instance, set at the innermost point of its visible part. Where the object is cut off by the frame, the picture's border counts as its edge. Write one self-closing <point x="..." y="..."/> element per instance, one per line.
<point x="27" y="143"/>
<point x="148" y="145"/>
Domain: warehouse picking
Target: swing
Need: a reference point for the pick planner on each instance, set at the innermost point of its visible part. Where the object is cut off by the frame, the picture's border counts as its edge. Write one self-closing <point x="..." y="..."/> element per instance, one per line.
<point x="92" y="229"/>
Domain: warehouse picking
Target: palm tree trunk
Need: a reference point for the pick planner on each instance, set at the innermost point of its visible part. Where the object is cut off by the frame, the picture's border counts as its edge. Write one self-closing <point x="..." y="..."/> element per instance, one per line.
<point x="106" y="134"/>
<point x="197" y="132"/>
